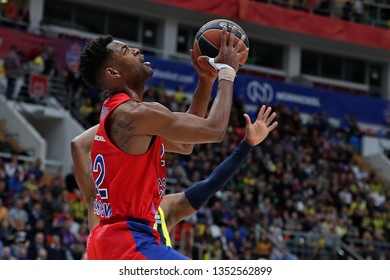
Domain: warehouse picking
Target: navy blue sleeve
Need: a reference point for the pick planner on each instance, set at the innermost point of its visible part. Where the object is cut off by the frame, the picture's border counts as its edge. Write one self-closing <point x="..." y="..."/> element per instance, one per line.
<point x="200" y="192"/>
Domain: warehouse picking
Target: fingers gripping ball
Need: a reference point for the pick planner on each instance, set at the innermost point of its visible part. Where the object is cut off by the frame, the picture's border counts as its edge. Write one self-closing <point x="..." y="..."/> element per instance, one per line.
<point x="208" y="38"/>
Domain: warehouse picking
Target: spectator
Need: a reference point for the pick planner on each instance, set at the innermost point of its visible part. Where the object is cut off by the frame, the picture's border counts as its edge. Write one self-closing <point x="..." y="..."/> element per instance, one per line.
<point x="40" y="226"/>
<point x="3" y="212"/>
<point x="85" y="109"/>
<point x="36" y="213"/>
<point x="35" y="246"/>
<point x="263" y="247"/>
<point x="6" y="254"/>
<point x="347" y="10"/>
<point x="6" y="231"/>
<point x="22" y="253"/>
<point x="13" y="166"/>
<point x="36" y="170"/>
<point x="3" y="78"/>
<point x="358" y="11"/>
<point x="68" y="238"/>
<point x="11" y="11"/>
<point x="15" y="184"/>
<point x="70" y="182"/>
<point x="216" y="250"/>
<point x="93" y="117"/>
<point x="77" y="250"/>
<point x="36" y="65"/>
<point x="24" y="14"/>
<point x="42" y="254"/>
<point x="77" y="206"/>
<point x="18" y="213"/>
<point x="55" y="249"/>
<point x="48" y="56"/>
<point x="13" y="69"/>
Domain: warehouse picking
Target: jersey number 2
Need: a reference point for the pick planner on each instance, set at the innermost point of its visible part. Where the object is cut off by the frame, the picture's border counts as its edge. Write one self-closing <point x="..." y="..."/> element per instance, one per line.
<point x="99" y="166"/>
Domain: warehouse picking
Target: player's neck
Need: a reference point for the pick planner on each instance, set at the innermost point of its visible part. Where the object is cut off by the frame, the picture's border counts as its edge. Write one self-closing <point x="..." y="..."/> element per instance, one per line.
<point x="134" y="94"/>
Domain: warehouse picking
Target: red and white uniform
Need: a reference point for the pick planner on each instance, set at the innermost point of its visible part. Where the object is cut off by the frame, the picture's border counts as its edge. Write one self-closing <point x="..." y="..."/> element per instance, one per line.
<point x="129" y="191"/>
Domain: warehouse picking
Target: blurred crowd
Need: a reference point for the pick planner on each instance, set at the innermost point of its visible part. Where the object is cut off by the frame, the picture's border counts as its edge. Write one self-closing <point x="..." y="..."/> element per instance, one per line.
<point x="42" y="215"/>
<point x="307" y="177"/>
<point x="17" y="64"/>
<point x="15" y="13"/>
<point x="370" y="12"/>
<point x="17" y="67"/>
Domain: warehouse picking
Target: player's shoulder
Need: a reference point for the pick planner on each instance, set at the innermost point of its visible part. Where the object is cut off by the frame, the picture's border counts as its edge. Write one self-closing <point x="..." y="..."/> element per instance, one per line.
<point x="132" y="107"/>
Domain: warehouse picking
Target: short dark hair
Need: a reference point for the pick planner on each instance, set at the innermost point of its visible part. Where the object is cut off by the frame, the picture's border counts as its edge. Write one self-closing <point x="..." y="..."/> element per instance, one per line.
<point x="92" y="59"/>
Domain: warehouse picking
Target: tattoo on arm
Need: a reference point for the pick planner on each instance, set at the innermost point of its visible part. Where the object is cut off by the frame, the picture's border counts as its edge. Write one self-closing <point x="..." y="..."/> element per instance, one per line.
<point x="118" y="125"/>
<point x="125" y="124"/>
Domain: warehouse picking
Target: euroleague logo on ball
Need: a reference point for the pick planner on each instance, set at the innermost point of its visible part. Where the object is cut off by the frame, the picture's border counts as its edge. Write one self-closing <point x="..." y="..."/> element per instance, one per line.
<point x="207" y="41"/>
<point x="229" y="25"/>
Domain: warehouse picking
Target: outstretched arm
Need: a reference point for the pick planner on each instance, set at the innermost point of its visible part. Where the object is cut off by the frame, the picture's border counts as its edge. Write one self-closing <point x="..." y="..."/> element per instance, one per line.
<point x="81" y="147"/>
<point x="179" y="206"/>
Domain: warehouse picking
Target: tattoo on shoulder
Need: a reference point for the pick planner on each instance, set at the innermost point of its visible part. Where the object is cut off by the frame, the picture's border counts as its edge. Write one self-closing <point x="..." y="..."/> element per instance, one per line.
<point x="113" y="131"/>
<point x="120" y="132"/>
<point x="125" y="124"/>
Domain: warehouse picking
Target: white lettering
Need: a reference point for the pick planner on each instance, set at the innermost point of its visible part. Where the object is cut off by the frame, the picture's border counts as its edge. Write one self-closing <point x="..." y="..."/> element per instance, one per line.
<point x="100" y="138"/>
<point x="102" y="209"/>
<point x="300" y="99"/>
<point x="172" y="76"/>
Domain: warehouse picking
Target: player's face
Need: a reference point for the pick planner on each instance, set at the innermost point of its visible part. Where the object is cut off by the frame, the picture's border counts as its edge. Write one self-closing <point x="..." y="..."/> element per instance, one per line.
<point x="129" y="62"/>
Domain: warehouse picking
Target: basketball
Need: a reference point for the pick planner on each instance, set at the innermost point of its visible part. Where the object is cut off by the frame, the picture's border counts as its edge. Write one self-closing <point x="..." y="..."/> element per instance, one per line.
<point x="208" y="38"/>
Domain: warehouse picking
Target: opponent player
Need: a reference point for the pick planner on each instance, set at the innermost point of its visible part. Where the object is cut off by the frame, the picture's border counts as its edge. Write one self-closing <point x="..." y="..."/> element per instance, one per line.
<point x="128" y="154"/>
<point x="176" y="207"/>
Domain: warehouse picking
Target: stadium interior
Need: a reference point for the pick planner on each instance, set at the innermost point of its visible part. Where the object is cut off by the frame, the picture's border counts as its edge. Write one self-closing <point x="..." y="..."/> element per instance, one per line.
<point x="316" y="188"/>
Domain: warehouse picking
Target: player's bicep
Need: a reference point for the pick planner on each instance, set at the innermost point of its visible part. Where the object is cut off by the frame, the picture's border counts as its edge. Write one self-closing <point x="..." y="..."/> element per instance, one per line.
<point x="155" y="119"/>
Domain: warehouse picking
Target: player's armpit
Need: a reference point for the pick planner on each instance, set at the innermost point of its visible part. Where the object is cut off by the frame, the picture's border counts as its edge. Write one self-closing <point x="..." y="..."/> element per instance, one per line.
<point x="183" y="149"/>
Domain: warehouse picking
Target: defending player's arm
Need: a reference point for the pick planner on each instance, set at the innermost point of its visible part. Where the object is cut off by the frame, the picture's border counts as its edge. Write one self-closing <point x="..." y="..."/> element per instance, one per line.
<point x="80" y="147"/>
<point x="198" y="106"/>
<point x="179" y="206"/>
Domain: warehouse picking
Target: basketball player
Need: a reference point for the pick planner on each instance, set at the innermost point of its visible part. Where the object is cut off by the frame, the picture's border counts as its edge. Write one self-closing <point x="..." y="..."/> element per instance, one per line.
<point x="128" y="154"/>
<point x="175" y="207"/>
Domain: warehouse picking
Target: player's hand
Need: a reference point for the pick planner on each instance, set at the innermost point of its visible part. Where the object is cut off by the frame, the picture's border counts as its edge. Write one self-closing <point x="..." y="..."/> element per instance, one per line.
<point x="202" y="70"/>
<point x="228" y="53"/>
<point x="256" y="132"/>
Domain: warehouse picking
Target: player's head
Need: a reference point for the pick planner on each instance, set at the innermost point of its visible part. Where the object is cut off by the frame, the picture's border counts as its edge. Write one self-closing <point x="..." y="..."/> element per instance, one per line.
<point x="112" y="65"/>
<point x="93" y="59"/>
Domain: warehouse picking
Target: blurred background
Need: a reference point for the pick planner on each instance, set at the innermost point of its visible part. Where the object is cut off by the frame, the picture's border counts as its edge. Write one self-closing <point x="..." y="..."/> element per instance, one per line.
<point x="316" y="188"/>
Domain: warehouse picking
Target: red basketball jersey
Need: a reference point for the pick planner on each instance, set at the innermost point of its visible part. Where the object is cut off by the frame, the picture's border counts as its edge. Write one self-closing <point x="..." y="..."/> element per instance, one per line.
<point x="127" y="186"/>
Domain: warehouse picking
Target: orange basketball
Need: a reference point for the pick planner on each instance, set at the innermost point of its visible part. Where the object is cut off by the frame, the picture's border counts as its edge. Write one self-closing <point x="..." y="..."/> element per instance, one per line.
<point x="208" y="38"/>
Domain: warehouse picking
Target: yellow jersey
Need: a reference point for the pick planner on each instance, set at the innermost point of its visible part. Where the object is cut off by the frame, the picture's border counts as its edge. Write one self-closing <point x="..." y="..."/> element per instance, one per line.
<point x="161" y="227"/>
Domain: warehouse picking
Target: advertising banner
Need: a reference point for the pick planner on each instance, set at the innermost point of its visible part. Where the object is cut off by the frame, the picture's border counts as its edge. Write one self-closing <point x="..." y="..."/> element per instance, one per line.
<point x="257" y="91"/>
<point x="38" y="86"/>
<point x="173" y="74"/>
<point x="304" y="22"/>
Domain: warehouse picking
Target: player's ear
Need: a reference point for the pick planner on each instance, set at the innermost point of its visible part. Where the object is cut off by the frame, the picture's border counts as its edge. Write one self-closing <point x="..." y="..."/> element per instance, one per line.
<point x="112" y="72"/>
